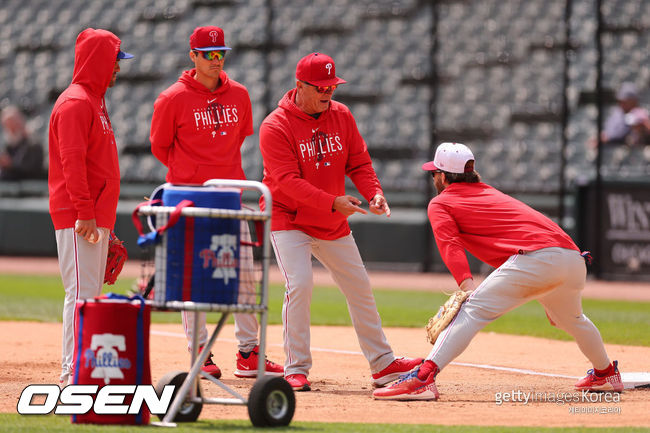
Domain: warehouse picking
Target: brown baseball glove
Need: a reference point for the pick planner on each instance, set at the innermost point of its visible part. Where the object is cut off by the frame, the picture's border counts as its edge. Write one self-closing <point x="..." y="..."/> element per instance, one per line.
<point x="115" y="259"/>
<point x="445" y="314"/>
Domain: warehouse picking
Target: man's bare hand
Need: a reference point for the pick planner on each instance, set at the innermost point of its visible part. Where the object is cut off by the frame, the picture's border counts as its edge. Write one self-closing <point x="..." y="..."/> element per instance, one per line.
<point x="379" y="205"/>
<point x="87" y="229"/>
<point x="467" y="285"/>
<point x="347" y="205"/>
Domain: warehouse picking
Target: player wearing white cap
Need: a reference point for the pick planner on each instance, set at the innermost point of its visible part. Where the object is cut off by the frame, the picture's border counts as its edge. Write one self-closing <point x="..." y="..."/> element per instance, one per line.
<point x="534" y="257"/>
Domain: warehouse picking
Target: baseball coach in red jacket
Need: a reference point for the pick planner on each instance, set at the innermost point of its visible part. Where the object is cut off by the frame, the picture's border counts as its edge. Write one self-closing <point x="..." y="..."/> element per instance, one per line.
<point x="309" y="144"/>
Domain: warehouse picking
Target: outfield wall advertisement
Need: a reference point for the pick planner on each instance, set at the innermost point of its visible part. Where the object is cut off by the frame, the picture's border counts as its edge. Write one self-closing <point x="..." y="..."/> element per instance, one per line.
<point x="624" y="228"/>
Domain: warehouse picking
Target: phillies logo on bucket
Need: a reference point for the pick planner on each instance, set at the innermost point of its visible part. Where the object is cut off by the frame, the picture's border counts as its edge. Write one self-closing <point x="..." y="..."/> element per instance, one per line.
<point x="214" y="35"/>
<point x="80" y="399"/>
<point x="106" y="363"/>
<point x="221" y="256"/>
<point x="329" y="68"/>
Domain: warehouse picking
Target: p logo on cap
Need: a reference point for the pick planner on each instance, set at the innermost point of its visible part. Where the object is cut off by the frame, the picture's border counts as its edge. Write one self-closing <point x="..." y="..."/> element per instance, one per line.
<point x="208" y="38"/>
<point x="318" y="69"/>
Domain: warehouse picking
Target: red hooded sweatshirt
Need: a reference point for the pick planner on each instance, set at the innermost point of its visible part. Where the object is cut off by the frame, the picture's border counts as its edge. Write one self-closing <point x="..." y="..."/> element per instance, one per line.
<point x="84" y="173"/>
<point x="489" y="224"/>
<point x="198" y="133"/>
<point x="305" y="164"/>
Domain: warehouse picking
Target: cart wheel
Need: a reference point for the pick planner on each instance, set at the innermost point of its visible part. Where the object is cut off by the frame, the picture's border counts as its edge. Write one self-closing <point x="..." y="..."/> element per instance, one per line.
<point x="271" y="402"/>
<point x="189" y="411"/>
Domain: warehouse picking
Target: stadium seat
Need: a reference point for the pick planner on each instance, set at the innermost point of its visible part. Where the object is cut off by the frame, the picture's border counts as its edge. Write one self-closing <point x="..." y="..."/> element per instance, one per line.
<point x="383" y="49"/>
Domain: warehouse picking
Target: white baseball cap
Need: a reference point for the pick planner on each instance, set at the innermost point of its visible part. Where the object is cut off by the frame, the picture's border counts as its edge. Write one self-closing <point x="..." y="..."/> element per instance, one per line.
<point x="450" y="157"/>
<point x="627" y="92"/>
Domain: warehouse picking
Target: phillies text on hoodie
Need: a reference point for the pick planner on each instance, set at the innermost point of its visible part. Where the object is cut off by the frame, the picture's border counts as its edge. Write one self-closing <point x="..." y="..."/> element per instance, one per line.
<point x="305" y="164"/>
<point x="198" y="133"/>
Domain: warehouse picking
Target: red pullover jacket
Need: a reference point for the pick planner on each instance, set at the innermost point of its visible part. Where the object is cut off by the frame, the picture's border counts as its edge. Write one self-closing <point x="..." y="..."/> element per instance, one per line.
<point x="84" y="172"/>
<point x="489" y="224"/>
<point x="198" y="133"/>
<point x="305" y="164"/>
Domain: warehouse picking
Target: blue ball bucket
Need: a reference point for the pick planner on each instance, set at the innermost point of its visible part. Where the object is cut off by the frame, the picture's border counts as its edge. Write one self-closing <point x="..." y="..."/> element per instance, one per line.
<point x="202" y="254"/>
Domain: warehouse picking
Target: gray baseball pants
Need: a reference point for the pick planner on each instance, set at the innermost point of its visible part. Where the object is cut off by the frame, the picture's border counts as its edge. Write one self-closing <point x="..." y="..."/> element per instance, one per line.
<point x="293" y="251"/>
<point x="553" y="276"/>
<point x="82" y="266"/>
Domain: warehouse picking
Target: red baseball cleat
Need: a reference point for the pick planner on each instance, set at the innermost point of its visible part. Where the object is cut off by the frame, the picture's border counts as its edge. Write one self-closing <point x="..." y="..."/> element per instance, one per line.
<point x="591" y="382"/>
<point x="394" y="370"/>
<point x="298" y="382"/>
<point x="210" y="367"/>
<point x="247" y="367"/>
<point x="409" y="387"/>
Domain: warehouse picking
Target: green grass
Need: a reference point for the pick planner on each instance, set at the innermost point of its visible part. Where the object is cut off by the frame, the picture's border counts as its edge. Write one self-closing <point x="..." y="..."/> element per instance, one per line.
<point x="53" y="424"/>
<point x="40" y="298"/>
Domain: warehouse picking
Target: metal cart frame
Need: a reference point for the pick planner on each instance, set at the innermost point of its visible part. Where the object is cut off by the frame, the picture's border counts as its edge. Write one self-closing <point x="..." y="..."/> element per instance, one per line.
<point x="271" y="401"/>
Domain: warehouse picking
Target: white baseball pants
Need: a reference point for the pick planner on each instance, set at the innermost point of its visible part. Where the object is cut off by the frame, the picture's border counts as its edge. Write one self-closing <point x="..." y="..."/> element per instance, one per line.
<point x="246" y="326"/>
<point x="82" y="266"/>
<point x="553" y="276"/>
<point x="293" y="251"/>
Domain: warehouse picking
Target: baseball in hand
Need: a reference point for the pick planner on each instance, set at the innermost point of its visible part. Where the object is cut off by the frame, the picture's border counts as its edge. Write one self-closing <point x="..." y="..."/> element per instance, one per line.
<point x="92" y="239"/>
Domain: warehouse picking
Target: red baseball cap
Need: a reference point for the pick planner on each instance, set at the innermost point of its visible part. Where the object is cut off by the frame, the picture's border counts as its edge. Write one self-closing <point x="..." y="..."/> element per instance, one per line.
<point x="318" y="69"/>
<point x="208" y="38"/>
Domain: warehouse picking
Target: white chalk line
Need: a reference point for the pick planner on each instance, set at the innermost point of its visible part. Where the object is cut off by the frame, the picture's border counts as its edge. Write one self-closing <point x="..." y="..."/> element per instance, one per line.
<point x="351" y="352"/>
<point x="515" y="370"/>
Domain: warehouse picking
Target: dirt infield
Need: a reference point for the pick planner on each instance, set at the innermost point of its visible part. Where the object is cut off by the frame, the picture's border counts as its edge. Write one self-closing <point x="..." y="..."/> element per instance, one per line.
<point x="341" y="386"/>
<point x="471" y="388"/>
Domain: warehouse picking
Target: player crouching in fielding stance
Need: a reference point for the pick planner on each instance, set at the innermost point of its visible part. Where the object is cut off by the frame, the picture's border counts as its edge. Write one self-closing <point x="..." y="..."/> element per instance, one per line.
<point x="309" y="144"/>
<point x="534" y="258"/>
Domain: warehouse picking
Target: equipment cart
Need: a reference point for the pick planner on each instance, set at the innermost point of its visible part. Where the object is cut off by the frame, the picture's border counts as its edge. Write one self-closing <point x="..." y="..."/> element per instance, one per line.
<point x="271" y="401"/>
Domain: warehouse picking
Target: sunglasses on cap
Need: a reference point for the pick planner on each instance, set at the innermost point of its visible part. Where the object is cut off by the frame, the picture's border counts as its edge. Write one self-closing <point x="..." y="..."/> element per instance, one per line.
<point x="323" y="89"/>
<point x="211" y="55"/>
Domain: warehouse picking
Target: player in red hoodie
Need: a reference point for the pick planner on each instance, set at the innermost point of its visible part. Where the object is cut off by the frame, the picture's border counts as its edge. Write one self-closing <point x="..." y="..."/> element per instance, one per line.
<point x="198" y="127"/>
<point x="534" y="257"/>
<point x="84" y="175"/>
<point x="309" y="144"/>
